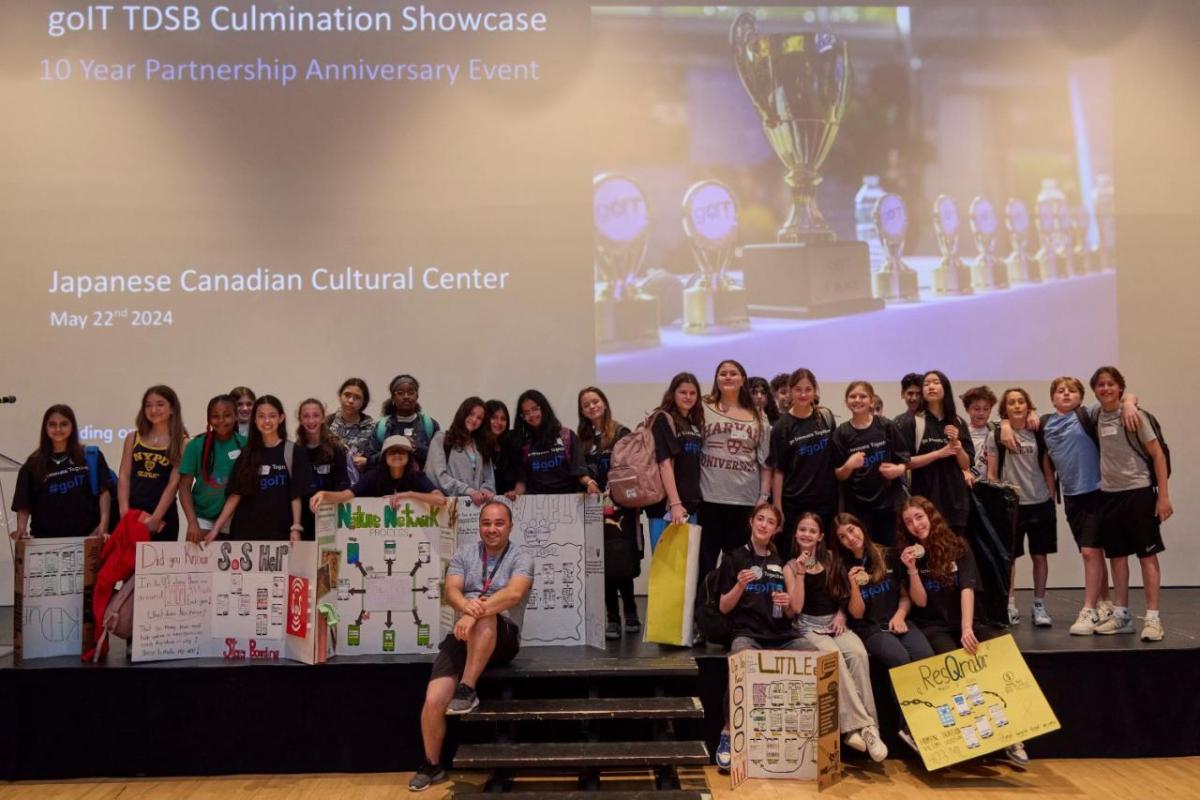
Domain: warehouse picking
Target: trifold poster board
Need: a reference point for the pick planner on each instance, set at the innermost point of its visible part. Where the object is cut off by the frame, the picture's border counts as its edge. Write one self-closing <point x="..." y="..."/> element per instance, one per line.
<point x="565" y="532"/>
<point x="48" y="599"/>
<point x="960" y="706"/>
<point x="783" y="716"/>
<point x="236" y="600"/>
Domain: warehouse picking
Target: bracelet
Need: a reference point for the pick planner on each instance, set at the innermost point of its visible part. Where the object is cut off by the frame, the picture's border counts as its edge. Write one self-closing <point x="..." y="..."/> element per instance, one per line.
<point x="675" y="504"/>
<point x="296" y="527"/>
<point x="914" y="572"/>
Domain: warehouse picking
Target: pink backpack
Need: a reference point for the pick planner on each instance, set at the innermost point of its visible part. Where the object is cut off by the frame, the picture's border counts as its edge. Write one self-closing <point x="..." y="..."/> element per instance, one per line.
<point x="633" y="478"/>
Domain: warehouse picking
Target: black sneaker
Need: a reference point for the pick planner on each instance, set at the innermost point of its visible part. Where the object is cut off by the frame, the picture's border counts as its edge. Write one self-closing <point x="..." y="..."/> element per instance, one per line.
<point x="632" y="625"/>
<point x="612" y="631"/>
<point x="426" y="776"/>
<point x="464" y="701"/>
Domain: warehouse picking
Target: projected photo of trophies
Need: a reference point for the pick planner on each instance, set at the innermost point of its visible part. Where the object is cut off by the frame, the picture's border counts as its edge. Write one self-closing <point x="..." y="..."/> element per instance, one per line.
<point x="1052" y="254"/>
<point x="988" y="271"/>
<point x="712" y="303"/>
<point x="626" y="318"/>
<point x="951" y="275"/>
<point x="1104" y="205"/>
<point x="1022" y="268"/>
<point x="798" y="84"/>
<point x="894" y="281"/>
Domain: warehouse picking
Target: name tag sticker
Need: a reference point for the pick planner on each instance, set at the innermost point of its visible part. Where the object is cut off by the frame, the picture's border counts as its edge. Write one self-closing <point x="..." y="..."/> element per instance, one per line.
<point x="1109" y="429"/>
<point x="738" y="433"/>
<point x="265" y="469"/>
<point x="322" y="469"/>
<point x="233" y="454"/>
<point x="408" y="432"/>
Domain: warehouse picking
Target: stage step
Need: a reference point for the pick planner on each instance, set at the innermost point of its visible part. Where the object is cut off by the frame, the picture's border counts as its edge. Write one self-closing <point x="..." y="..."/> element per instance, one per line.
<point x="580" y="755"/>
<point x="588" y="709"/>
<point x="598" y="794"/>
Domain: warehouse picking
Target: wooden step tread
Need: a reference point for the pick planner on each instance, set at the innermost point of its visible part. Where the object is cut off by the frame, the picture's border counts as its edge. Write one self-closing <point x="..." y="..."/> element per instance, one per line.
<point x="600" y="755"/>
<point x="588" y="709"/>
<point x="599" y="794"/>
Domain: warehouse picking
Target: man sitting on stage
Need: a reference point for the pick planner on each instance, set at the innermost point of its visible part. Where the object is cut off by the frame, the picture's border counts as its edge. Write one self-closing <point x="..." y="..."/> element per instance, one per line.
<point x="487" y="584"/>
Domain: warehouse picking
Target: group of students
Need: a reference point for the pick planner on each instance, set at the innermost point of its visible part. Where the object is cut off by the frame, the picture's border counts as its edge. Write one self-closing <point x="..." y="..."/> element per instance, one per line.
<point x="823" y="516"/>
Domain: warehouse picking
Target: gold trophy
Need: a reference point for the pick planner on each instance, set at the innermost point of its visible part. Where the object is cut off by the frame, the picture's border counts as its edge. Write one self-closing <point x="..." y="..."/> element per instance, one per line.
<point x="1050" y="255"/>
<point x="712" y="303"/>
<point x="951" y="275"/>
<point x="1021" y="267"/>
<point x="626" y="318"/>
<point x="988" y="271"/>
<point x="798" y="84"/>
<point x="895" y="280"/>
<point x="1085" y="259"/>
<point x="1104" y="205"/>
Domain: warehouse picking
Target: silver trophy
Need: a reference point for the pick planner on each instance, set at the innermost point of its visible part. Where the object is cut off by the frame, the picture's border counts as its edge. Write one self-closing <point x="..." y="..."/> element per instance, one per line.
<point x="894" y="281"/>
<point x="625" y="317"/>
<point x="988" y="271"/>
<point x="951" y="276"/>
<point x="713" y="302"/>
<point x="1053" y="252"/>
<point x="1104" y="205"/>
<point x="1022" y="268"/>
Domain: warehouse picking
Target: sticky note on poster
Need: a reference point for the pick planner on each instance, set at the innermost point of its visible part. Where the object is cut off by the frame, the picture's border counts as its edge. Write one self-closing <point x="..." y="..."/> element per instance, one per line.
<point x="960" y="706"/>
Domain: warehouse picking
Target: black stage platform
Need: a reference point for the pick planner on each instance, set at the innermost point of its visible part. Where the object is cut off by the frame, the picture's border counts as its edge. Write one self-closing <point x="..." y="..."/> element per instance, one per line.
<point x="1115" y="697"/>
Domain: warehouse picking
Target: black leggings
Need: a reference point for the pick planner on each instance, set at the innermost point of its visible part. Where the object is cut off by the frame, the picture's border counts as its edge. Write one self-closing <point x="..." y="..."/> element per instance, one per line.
<point x="943" y="638"/>
<point x="722" y="528"/>
<point x="611" y="605"/>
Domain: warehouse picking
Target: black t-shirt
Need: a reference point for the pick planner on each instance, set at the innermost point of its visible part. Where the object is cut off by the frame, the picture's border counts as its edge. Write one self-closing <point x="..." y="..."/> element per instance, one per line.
<point x="266" y="513"/>
<point x="149" y="474"/>
<point x="684" y="445"/>
<point x="881" y="598"/>
<point x="599" y="460"/>
<point x="62" y="503"/>
<point x="818" y="602"/>
<point x="378" y="482"/>
<point x="800" y="449"/>
<point x="944" y="606"/>
<point x="942" y="481"/>
<point x="554" y="467"/>
<point x="753" y="615"/>
<point x="326" y="475"/>
<point x="880" y="443"/>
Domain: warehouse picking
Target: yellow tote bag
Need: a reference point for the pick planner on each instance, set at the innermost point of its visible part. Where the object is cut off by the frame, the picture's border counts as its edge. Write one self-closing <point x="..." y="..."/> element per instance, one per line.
<point x="672" y="589"/>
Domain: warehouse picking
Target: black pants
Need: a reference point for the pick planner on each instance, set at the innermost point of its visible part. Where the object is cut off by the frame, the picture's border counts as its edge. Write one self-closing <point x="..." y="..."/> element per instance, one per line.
<point x="722" y="528"/>
<point x="943" y="638"/>
<point x="625" y="589"/>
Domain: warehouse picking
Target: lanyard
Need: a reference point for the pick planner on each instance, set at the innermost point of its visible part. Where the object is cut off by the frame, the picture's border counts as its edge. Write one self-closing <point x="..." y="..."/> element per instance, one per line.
<point x="487" y="582"/>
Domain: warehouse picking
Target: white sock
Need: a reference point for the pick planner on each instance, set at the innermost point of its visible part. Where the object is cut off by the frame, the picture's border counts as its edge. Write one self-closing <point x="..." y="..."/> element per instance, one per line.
<point x="1039" y="602"/>
<point x="1151" y="613"/>
<point x="1088" y="608"/>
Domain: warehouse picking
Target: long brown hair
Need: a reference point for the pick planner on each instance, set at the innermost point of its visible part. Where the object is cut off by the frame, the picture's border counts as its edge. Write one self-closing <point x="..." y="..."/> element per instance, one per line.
<point x="874" y="554"/>
<point x="695" y="417"/>
<point x="835" y="579"/>
<point x="327" y="441"/>
<point x="745" y="399"/>
<point x="39" y="460"/>
<point x="608" y="426"/>
<point x="763" y="506"/>
<point x="177" y="432"/>
<point x="943" y="546"/>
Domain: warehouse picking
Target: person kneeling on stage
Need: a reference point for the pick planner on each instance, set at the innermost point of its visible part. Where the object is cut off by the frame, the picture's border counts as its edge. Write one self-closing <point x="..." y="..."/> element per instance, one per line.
<point x="487" y="584"/>
<point x="942" y="580"/>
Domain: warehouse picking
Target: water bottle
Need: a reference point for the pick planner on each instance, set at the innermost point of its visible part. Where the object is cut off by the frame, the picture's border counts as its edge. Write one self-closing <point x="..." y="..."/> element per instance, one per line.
<point x="776" y="611"/>
<point x="864" y="218"/>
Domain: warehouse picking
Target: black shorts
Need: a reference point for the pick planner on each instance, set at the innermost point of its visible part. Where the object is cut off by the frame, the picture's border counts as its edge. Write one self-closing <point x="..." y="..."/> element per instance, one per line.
<point x="1128" y="524"/>
<point x="1039" y="522"/>
<point x="452" y="654"/>
<point x="1083" y="517"/>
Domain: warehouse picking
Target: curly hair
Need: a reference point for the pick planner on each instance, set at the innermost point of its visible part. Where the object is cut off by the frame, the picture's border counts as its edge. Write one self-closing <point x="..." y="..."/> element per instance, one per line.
<point x="943" y="547"/>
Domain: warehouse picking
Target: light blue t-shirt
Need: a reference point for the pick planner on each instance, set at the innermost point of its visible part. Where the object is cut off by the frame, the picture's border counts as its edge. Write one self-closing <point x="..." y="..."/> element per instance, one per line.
<point x="468" y="562"/>
<point x="1075" y="455"/>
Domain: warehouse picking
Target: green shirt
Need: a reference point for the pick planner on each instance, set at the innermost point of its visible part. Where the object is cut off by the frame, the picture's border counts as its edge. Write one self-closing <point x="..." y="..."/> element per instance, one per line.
<point x="207" y="497"/>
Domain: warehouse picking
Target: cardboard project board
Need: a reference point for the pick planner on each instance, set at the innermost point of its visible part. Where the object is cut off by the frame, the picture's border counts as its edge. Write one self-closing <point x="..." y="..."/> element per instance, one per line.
<point x="48" y="600"/>
<point x="387" y="582"/>
<point x="960" y="706"/>
<point x="783" y="716"/>
<point x="228" y="599"/>
<point x="566" y="534"/>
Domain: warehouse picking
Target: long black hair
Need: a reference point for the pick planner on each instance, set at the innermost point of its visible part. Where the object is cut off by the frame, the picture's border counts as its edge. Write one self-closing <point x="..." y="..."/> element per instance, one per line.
<point x="457" y="434"/>
<point x="949" y="407"/>
<point x="772" y="408"/>
<point x="550" y="429"/>
<point x="39" y="460"/>
<point x="245" y="472"/>
<point x="208" y="454"/>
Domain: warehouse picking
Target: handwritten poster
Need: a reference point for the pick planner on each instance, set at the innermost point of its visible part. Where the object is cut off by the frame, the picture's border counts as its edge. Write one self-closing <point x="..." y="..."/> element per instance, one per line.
<point x="228" y="600"/>
<point x="783" y="716"/>
<point x="48" y="597"/>
<point x="960" y="706"/>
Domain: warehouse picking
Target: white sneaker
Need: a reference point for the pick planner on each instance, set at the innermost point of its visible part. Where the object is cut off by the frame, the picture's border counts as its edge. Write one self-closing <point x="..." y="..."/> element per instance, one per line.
<point x="875" y="746"/>
<point x="1041" y="619"/>
<point x="1104" y="610"/>
<point x="907" y="738"/>
<point x="1152" y="631"/>
<point x="1117" y="623"/>
<point x="1085" y="623"/>
<point x="1016" y="754"/>
<point x="855" y="741"/>
<point x="1014" y="613"/>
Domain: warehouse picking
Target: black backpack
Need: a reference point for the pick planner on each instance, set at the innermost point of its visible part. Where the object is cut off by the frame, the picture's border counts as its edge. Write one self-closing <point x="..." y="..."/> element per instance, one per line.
<point x="709" y="620"/>
<point x="1001" y="450"/>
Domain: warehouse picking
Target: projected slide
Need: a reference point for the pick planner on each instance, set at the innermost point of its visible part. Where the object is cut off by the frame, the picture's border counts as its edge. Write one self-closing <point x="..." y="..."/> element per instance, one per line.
<point x="861" y="191"/>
